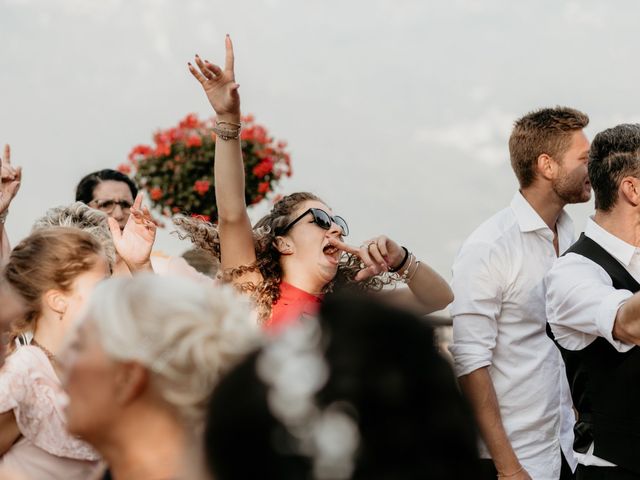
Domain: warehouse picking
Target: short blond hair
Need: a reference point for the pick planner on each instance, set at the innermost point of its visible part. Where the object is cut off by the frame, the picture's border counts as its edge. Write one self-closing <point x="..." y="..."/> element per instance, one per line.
<point x="547" y="130"/>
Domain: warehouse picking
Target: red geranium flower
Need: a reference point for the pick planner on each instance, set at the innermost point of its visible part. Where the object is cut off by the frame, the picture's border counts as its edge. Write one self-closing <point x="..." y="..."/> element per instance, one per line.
<point x="139" y="151"/>
<point x="124" y="168"/>
<point x="163" y="150"/>
<point x="263" y="187"/>
<point x="190" y="121"/>
<point x="264" y="168"/>
<point x="155" y="193"/>
<point x="194" y="141"/>
<point x="201" y="186"/>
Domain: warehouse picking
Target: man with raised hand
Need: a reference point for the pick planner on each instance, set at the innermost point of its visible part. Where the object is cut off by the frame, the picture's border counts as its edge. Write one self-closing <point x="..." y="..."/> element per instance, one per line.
<point x="508" y="367"/>
<point x="594" y="312"/>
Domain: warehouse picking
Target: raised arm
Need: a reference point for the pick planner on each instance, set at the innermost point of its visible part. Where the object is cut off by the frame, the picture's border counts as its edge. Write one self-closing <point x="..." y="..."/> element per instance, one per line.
<point x="10" y="178"/>
<point x="234" y="227"/>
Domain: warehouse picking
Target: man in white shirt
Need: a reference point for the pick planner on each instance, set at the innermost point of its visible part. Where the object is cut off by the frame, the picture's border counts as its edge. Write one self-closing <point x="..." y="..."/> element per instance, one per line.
<point x="508" y="367"/>
<point x="594" y="312"/>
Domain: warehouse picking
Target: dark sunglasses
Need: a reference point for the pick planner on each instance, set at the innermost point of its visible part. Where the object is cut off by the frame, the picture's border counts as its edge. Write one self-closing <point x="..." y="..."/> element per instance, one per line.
<point x="109" y="206"/>
<point x="320" y="218"/>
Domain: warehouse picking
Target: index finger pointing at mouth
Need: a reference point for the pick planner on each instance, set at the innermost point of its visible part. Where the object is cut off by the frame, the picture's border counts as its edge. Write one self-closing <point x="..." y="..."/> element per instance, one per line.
<point x="343" y="246"/>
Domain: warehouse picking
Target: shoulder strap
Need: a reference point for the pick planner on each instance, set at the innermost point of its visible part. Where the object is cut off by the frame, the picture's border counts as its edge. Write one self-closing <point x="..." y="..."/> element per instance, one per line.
<point x="620" y="277"/>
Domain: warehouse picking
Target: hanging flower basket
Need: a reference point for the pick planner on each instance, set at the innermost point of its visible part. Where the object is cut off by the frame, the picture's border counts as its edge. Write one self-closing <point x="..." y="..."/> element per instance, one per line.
<point x="177" y="171"/>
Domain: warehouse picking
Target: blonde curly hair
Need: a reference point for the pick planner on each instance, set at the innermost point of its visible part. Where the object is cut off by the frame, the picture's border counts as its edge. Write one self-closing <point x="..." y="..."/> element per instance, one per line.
<point x="266" y="293"/>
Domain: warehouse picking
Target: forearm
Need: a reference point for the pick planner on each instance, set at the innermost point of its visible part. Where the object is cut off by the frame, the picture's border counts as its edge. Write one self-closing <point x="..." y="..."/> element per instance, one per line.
<point x="234" y="226"/>
<point x="430" y="289"/>
<point x="626" y="327"/>
<point x="5" y="247"/>
<point x="478" y="388"/>
<point x="229" y="177"/>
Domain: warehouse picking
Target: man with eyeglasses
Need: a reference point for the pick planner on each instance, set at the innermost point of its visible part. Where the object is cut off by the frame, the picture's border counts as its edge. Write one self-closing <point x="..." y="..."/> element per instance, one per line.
<point x="113" y="193"/>
<point x="109" y="191"/>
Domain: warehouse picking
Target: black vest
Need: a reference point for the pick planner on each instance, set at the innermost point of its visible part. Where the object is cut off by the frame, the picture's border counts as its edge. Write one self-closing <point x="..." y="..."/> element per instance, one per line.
<point x="605" y="384"/>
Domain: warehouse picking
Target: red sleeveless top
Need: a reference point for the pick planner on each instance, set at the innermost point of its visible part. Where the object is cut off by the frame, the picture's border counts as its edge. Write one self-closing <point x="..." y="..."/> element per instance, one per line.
<point x="292" y="304"/>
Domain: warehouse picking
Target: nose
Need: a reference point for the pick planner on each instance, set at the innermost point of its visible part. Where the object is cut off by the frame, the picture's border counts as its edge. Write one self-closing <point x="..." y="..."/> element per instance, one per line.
<point x="335" y="230"/>
<point x="119" y="215"/>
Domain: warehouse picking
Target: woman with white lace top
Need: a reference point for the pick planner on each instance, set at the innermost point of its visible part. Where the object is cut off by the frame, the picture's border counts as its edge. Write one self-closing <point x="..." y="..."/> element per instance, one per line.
<point x="53" y="271"/>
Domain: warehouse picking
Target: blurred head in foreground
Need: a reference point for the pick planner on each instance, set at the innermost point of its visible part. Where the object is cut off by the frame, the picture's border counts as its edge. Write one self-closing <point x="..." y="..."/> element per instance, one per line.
<point x="362" y="393"/>
<point x="143" y="361"/>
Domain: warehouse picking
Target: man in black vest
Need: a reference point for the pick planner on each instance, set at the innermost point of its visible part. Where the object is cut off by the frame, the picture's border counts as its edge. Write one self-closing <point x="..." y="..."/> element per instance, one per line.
<point x="593" y="310"/>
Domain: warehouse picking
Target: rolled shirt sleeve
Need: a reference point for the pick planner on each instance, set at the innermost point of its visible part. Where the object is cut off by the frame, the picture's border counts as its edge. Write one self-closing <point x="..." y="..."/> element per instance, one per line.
<point x="477" y="287"/>
<point x="582" y="304"/>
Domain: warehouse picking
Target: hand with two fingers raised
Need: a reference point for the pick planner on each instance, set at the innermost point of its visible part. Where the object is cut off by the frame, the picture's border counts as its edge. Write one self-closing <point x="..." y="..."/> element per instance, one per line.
<point x="10" y="178"/>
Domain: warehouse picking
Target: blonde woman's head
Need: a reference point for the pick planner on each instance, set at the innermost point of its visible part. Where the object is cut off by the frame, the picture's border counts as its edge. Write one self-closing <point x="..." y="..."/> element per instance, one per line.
<point x="153" y="342"/>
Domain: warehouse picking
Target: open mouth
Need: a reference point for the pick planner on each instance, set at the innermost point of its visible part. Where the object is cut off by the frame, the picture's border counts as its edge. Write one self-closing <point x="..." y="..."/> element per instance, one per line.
<point x="332" y="253"/>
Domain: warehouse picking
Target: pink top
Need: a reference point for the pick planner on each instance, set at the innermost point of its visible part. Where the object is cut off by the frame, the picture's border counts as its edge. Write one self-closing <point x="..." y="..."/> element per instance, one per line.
<point x="292" y="304"/>
<point x="30" y="387"/>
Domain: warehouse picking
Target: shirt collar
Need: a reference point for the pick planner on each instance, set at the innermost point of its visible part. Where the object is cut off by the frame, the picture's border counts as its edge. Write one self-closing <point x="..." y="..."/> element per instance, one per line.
<point x="530" y="221"/>
<point x="618" y="248"/>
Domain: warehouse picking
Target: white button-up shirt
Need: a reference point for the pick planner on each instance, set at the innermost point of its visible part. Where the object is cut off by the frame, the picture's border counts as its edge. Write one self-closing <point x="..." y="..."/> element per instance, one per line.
<point x="582" y="303"/>
<point x="499" y="322"/>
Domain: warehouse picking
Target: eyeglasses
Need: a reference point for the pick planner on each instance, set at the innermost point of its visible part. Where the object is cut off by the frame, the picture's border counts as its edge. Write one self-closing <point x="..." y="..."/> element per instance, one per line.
<point x="108" y="206"/>
<point x="320" y="218"/>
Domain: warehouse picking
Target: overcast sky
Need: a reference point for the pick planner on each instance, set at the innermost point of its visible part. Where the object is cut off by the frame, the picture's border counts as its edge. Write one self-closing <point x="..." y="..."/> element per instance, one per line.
<point x="397" y="112"/>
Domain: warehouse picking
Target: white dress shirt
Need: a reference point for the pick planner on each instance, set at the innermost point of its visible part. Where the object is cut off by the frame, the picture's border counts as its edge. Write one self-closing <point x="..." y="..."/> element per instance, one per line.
<point x="582" y="303"/>
<point x="499" y="322"/>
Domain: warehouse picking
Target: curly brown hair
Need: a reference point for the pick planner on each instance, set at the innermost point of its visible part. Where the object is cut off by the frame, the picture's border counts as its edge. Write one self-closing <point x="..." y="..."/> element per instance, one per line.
<point x="266" y="293"/>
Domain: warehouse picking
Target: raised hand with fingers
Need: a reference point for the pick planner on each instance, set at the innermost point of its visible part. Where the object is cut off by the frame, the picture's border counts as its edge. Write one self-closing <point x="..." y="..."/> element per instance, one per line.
<point x="378" y="255"/>
<point x="10" y="178"/>
<point x="219" y="85"/>
<point x="135" y="242"/>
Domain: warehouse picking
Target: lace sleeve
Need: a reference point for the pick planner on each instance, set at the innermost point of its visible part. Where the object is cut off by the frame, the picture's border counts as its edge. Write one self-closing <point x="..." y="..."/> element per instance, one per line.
<point x="32" y="390"/>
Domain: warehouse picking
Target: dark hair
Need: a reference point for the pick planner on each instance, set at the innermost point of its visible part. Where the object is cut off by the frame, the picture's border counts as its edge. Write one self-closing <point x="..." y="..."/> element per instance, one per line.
<point x="86" y="186"/>
<point x="614" y="154"/>
<point x="402" y="394"/>
<point x="547" y="130"/>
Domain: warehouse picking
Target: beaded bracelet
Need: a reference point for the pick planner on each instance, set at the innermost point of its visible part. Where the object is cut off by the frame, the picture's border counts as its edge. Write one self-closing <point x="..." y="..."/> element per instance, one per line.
<point x="3" y="217"/>
<point x="227" y="133"/>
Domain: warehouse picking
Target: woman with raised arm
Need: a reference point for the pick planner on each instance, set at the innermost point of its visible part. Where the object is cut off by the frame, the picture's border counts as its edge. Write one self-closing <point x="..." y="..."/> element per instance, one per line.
<point x="294" y="255"/>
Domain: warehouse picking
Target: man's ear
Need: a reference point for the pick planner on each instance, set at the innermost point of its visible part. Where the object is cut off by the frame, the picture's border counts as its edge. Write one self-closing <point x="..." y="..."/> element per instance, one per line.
<point x="547" y="166"/>
<point x="630" y="190"/>
<point x="283" y="245"/>
<point x="131" y="379"/>
<point x="56" y="301"/>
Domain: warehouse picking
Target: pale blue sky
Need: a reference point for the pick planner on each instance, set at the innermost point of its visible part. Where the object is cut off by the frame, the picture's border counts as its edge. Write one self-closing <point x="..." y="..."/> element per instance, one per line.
<point x="397" y="112"/>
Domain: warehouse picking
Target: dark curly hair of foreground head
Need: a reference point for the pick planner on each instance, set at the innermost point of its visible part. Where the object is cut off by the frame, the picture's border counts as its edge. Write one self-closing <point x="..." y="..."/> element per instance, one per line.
<point x="403" y="396"/>
<point x="205" y="236"/>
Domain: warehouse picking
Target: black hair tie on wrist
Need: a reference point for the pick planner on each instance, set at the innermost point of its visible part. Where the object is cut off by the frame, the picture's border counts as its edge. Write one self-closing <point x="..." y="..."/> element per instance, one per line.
<point x="404" y="260"/>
